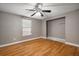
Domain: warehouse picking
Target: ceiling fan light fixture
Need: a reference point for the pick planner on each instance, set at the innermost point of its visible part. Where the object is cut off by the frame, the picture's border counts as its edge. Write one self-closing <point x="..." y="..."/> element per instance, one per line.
<point x="37" y="14"/>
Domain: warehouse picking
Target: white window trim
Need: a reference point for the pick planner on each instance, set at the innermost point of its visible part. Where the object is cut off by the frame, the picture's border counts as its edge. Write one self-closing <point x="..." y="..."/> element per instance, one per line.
<point x="23" y="34"/>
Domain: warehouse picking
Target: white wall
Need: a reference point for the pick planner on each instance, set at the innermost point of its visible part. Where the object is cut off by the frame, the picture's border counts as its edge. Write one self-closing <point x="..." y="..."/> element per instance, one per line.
<point x="44" y="28"/>
<point x="11" y="28"/>
<point x="71" y="26"/>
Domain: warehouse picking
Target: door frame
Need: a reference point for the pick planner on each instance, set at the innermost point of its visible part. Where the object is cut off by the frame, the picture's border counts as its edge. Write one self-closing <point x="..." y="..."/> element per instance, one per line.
<point x="52" y="20"/>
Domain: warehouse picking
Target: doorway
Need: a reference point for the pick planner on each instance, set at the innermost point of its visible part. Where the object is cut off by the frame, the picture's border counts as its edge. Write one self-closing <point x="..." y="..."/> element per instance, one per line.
<point x="56" y="28"/>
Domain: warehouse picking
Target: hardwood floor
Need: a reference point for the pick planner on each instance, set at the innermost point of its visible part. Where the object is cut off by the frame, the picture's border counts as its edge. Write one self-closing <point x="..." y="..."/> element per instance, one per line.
<point x="40" y="47"/>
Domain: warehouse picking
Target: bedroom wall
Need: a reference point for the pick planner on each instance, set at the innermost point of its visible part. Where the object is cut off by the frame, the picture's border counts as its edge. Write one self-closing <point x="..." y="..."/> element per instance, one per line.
<point x="11" y="28"/>
<point x="71" y="26"/>
<point x="44" y="28"/>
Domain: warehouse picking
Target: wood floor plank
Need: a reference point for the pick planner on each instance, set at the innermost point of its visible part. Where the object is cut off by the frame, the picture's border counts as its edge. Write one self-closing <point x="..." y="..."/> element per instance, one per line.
<point x="39" y="47"/>
<point x="66" y="51"/>
<point x="77" y="52"/>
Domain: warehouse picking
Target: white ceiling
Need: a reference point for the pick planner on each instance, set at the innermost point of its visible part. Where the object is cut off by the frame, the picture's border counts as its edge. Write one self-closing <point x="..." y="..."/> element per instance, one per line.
<point x="56" y="8"/>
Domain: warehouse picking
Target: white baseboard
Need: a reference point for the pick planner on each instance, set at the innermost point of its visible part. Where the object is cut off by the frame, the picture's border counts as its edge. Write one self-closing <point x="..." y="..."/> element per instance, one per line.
<point x="8" y="44"/>
<point x="44" y="37"/>
<point x="56" y="39"/>
<point x="51" y="38"/>
<point x="63" y="40"/>
<point x="72" y="44"/>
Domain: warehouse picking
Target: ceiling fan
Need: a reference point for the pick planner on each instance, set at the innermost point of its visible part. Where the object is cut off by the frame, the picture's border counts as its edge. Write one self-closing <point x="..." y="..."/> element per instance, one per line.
<point x="38" y="8"/>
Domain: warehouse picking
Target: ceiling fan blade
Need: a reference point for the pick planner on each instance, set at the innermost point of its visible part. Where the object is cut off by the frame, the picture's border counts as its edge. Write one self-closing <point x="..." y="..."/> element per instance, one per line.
<point x="33" y="14"/>
<point x="41" y="14"/>
<point x="30" y="9"/>
<point x="46" y="11"/>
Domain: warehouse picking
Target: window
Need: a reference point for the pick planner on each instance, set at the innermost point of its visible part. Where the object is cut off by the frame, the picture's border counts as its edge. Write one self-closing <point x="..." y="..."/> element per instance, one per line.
<point x="26" y="27"/>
